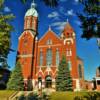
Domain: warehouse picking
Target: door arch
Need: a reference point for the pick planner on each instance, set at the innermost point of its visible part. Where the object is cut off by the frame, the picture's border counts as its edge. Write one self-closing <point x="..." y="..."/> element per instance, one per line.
<point x="48" y="81"/>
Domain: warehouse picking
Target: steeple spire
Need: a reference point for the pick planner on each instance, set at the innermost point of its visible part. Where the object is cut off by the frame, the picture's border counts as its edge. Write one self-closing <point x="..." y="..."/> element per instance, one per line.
<point x="67" y="20"/>
<point x="33" y="5"/>
<point x="49" y="28"/>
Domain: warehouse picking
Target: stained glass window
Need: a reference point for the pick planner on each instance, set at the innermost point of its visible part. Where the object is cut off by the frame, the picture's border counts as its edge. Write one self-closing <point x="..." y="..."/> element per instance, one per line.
<point x="69" y="65"/>
<point x="49" y="57"/>
<point x="69" y="52"/>
<point x="28" y="23"/>
<point x="57" y="57"/>
<point x="80" y="70"/>
<point x="41" y="58"/>
<point x="49" y="42"/>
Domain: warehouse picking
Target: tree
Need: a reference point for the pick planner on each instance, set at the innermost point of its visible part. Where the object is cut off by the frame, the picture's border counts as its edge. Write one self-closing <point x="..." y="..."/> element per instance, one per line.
<point x="63" y="79"/>
<point x="16" y="80"/>
<point x="51" y="3"/>
<point x="5" y="30"/>
<point x="90" y="19"/>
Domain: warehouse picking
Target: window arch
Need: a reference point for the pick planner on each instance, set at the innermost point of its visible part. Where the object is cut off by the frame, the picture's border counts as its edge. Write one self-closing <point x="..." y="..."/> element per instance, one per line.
<point x="80" y="70"/>
<point x="57" y="57"/>
<point x="69" y="52"/>
<point x="41" y="58"/>
<point x="28" y="23"/>
<point x="49" y="42"/>
<point x="69" y="65"/>
<point x="49" y="57"/>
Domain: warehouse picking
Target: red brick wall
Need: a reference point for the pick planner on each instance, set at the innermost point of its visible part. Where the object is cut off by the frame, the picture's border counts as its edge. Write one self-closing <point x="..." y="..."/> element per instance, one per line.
<point x="25" y="48"/>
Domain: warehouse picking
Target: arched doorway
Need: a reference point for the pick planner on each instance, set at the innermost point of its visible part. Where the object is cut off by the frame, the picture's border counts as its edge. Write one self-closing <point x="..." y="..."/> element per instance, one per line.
<point x="48" y="81"/>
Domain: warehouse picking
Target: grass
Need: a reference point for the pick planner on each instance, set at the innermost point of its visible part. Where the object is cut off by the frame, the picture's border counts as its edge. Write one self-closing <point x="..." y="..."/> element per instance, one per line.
<point x="4" y="94"/>
<point x="65" y="95"/>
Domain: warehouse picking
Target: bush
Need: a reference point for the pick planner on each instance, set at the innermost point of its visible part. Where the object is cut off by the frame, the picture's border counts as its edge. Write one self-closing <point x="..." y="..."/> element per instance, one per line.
<point x="89" y="96"/>
<point x="32" y="96"/>
<point x="22" y="97"/>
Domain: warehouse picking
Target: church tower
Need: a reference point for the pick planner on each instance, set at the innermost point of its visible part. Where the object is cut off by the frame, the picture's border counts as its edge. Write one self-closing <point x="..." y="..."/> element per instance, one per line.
<point x="26" y="46"/>
<point x="69" y="40"/>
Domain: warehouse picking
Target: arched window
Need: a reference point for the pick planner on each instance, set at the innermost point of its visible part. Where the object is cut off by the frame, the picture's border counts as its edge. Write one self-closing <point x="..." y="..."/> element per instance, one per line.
<point x="69" y="52"/>
<point x="41" y="58"/>
<point x="57" y="57"/>
<point x="49" y="42"/>
<point x="69" y="65"/>
<point x="49" y="57"/>
<point x="80" y="70"/>
<point x="28" y="23"/>
<point x="33" y="24"/>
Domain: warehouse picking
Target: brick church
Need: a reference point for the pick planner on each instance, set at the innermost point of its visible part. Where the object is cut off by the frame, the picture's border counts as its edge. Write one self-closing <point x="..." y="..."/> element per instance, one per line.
<point x="40" y="58"/>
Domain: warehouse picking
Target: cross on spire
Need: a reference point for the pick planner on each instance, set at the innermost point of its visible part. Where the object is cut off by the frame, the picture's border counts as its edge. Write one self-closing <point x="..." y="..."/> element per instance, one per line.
<point x="49" y="28"/>
<point x="67" y="20"/>
<point x="33" y="5"/>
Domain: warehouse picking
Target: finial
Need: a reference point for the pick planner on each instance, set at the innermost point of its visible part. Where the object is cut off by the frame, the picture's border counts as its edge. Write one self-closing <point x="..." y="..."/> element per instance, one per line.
<point x="33" y="4"/>
<point x="67" y="20"/>
<point x="49" y="28"/>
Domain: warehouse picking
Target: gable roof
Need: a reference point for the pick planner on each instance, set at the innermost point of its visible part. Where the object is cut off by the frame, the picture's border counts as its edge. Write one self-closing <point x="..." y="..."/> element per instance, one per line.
<point x="49" y="31"/>
<point x="68" y="28"/>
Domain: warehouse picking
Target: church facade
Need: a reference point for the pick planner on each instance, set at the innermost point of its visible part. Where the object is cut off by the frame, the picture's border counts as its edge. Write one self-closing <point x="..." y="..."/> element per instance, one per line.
<point x="40" y="58"/>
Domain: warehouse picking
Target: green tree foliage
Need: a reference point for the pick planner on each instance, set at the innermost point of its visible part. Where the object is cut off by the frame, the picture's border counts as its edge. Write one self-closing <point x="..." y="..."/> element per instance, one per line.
<point x="63" y="79"/>
<point x="51" y="3"/>
<point x="90" y="19"/>
<point x="5" y="30"/>
<point x="29" y="85"/>
<point x="16" y="80"/>
<point x="89" y="96"/>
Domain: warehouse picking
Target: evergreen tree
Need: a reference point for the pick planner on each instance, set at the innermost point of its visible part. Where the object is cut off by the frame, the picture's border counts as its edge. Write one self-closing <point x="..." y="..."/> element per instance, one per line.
<point x="90" y="19"/>
<point x="63" y="79"/>
<point x="16" y="80"/>
<point x="69" y="80"/>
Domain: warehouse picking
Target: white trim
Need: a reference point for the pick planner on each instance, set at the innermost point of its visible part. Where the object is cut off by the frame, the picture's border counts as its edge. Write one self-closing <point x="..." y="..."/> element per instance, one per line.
<point x="49" y="45"/>
<point x="68" y="39"/>
<point x="97" y="78"/>
<point x="78" y="88"/>
<point x="39" y="71"/>
<point x="33" y="83"/>
<point x="25" y="79"/>
<point x="31" y="32"/>
<point x="25" y="56"/>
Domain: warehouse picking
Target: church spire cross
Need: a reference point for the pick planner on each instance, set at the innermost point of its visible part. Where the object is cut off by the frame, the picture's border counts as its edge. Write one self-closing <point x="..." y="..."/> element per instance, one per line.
<point x="67" y="20"/>
<point x="49" y="28"/>
<point x="33" y="5"/>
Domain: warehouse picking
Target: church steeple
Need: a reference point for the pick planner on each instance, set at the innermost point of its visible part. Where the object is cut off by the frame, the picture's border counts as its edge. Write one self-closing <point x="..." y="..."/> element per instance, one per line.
<point x="68" y="31"/>
<point x="31" y="18"/>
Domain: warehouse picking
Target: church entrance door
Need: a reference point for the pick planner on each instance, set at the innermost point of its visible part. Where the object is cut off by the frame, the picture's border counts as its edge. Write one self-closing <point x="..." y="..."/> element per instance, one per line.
<point x="48" y="81"/>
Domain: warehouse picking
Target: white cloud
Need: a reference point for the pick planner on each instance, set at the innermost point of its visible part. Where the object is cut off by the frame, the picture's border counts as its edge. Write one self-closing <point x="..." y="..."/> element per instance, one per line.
<point x="76" y="1"/>
<point x="70" y="12"/>
<point x="59" y="25"/>
<point x="53" y="14"/>
<point x="7" y="9"/>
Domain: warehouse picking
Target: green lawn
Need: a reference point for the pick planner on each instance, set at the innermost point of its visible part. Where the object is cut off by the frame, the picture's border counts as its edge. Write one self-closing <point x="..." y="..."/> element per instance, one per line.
<point x="4" y="94"/>
<point x="65" y="95"/>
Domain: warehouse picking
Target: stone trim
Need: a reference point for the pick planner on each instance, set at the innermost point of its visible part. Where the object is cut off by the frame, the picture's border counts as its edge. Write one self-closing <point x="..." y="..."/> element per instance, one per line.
<point x="25" y="56"/>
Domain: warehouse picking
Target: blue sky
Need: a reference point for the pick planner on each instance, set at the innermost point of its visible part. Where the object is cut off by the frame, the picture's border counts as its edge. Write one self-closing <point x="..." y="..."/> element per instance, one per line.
<point x="57" y="18"/>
